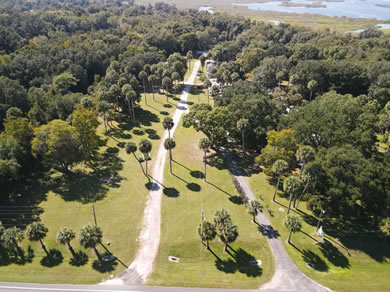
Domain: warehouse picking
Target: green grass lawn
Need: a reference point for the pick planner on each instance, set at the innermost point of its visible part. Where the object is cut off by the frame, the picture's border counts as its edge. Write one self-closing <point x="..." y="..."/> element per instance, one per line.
<point x="345" y="264"/>
<point x="66" y="201"/>
<point x="186" y="194"/>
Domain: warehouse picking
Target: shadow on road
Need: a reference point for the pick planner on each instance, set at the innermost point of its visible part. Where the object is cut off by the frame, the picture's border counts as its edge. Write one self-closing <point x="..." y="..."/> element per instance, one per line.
<point x="267" y="230"/>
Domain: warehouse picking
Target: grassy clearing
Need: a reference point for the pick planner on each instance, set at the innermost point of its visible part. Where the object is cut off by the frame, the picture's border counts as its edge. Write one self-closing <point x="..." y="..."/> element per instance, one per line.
<point x="186" y="194"/>
<point x="346" y="263"/>
<point x="66" y="201"/>
<point x="315" y="21"/>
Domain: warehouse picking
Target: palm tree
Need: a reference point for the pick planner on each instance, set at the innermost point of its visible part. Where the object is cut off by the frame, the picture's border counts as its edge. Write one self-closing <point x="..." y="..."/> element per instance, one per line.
<point x="152" y="78"/>
<point x="130" y="95"/>
<point x="116" y="92"/>
<point x="279" y="167"/>
<point x="306" y="177"/>
<point x="168" y="124"/>
<point x="175" y="77"/>
<point x="202" y="60"/>
<point x="37" y="232"/>
<point x="90" y="236"/>
<point x="242" y="126"/>
<point x="254" y="208"/>
<point x="147" y="68"/>
<point x="143" y="76"/>
<point x="228" y="234"/>
<point x="103" y="108"/>
<point x="221" y="217"/>
<point x="207" y="232"/>
<point x="169" y="144"/>
<point x="292" y="185"/>
<point x="189" y="58"/>
<point x="208" y="84"/>
<point x="131" y="147"/>
<point x="312" y="85"/>
<point x="145" y="146"/>
<point x="11" y="237"/>
<point x="65" y="236"/>
<point x="167" y="83"/>
<point x="304" y="154"/>
<point x="204" y="144"/>
<point x="293" y="224"/>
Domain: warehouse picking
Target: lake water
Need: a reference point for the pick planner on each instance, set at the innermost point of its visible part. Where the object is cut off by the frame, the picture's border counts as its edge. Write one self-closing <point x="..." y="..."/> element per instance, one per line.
<point x="348" y="8"/>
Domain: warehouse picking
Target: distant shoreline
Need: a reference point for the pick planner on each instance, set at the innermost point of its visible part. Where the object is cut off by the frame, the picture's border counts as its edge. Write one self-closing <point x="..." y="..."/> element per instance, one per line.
<point x="383" y="5"/>
<point x="308" y="5"/>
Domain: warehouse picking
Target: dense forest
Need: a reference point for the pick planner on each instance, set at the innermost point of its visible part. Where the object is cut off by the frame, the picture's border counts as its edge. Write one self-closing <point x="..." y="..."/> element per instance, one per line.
<point x="314" y="99"/>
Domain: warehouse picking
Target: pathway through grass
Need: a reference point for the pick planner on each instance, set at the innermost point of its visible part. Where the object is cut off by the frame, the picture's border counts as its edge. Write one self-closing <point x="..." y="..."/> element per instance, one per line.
<point x="185" y="196"/>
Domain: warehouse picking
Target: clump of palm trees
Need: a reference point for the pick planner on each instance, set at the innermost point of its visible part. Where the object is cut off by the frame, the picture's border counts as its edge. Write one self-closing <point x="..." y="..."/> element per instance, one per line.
<point x="223" y="226"/>
<point x="10" y="238"/>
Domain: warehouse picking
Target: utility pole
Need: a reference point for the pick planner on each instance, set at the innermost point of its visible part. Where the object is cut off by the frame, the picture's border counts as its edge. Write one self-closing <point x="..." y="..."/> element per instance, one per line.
<point x="94" y="214"/>
<point x="319" y="220"/>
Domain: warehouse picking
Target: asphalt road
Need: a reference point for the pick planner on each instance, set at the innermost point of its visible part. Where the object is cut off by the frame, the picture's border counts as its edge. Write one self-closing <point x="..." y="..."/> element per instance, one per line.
<point x="287" y="276"/>
<point x="26" y="287"/>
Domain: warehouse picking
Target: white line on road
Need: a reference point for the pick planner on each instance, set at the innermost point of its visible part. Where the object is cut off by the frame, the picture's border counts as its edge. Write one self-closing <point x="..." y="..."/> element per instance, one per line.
<point x="59" y="289"/>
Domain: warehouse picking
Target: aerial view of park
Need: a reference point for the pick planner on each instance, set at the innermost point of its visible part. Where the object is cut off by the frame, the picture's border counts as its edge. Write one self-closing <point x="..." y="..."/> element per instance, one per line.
<point x="195" y="145"/>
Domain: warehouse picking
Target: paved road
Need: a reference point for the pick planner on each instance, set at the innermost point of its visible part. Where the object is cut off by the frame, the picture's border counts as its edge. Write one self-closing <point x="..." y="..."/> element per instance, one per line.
<point x="287" y="276"/>
<point x="149" y="237"/>
<point x="26" y="287"/>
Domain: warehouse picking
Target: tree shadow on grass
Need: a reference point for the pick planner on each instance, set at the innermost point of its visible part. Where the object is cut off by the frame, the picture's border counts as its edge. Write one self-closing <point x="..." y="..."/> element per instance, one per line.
<point x="197" y="174"/>
<point x="52" y="259"/>
<point x="316" y="262"/>
<point x="79" y="259"/>
<point x="121" y="144"/>
<point x="146" y="118"/>
<point x="138" y="132"/>
<point x="80" y="186"/>
<point x="215" y="160"/>
<point x="104" y="267"/>
<point x="178" y="163"/>
<point x="241" y="262"/>
<point x="19" y="201"/>
<point x="334" y="255"/>
<point x="13" y="256"/>
<point x="171" y="192"/>
<point x="309" y="219"/>
<point x="218" y="188"/>
<point x="244" y="260"/>
<point x="88" y="187"/>
<point x="118" y="133"/>
<point x="109" y="253"/>
<point x="178" y="177"/>
<point x="228" y="266"/>
<point x="374" y="247"/>
<point x="236" y="200"/>
<point x="356" y="235"/>
<point x="194" y="187"/>
<point x="152" y="134"/>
